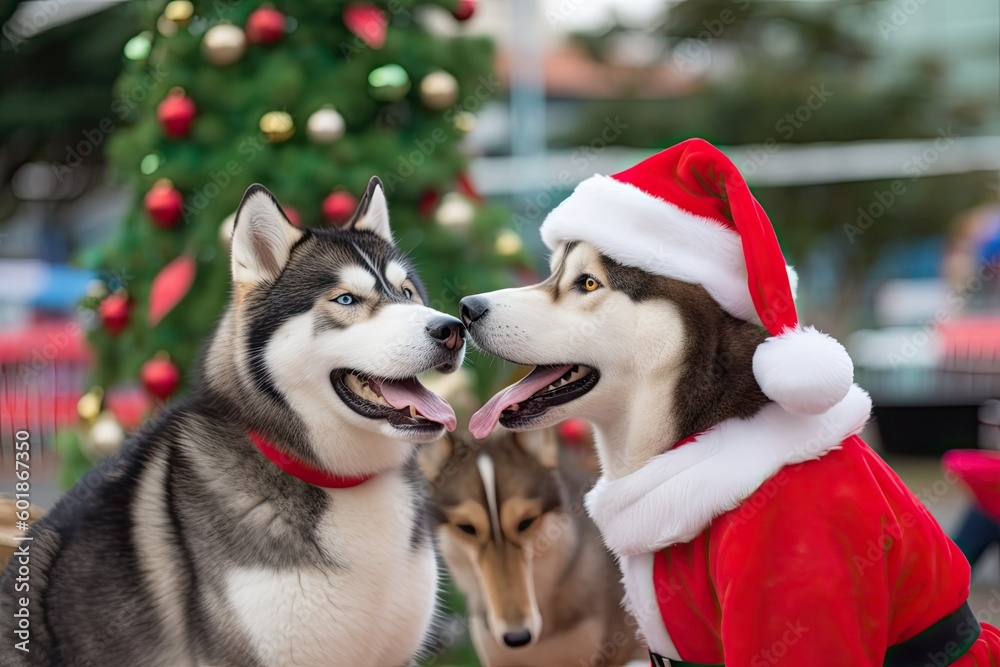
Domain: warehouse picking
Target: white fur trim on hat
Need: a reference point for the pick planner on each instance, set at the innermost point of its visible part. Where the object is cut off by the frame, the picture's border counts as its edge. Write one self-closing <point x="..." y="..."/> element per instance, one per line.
<point x="803" y="370"/>
<point x="638" y="229"/>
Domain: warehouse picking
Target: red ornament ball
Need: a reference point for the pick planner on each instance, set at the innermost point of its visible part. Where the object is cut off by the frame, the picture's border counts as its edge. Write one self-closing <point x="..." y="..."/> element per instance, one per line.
<point x="160" y="377"/>
<point x="176" y="113"/>
<point x="114" y="312"/>
<point x="428" y="202"/>
<point x="339" y="206"/>
<point x="573" y="431"/>
<point x="464" y="10"/>
<point x="265" y="26"/>
<point x="164" y="204"/>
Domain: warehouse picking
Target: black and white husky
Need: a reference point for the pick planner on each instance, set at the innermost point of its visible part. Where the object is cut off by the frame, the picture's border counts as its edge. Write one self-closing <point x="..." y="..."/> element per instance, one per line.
<point x="201" y="544"/>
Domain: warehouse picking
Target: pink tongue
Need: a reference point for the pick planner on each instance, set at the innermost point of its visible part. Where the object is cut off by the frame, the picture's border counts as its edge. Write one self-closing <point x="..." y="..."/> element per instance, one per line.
<point x="486" y="418"/>
<point x="401" y="394"/>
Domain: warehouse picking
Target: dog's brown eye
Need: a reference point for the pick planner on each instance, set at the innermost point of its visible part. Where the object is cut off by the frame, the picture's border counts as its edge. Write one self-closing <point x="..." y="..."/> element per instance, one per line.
<point x="525" y="524"/>
<point x="467" y="528"/>
<point x="590" y="284"/>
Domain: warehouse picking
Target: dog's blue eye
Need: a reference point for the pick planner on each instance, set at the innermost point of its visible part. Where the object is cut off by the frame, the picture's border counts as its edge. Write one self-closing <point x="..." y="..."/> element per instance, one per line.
<point x="407" y="293"/>
<point x="345" y="299"/>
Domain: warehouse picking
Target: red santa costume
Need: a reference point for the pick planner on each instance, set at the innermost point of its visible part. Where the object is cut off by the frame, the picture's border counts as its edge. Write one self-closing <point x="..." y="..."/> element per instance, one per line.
<point x="779" y="539"/>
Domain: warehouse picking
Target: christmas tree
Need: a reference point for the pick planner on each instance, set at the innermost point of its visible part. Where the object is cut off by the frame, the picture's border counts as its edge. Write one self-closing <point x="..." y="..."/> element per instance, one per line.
<point x="310" y="98"/>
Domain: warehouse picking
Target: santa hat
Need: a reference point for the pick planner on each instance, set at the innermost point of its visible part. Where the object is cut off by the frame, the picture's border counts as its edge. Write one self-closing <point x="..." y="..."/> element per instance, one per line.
<point x="688" y="214"/>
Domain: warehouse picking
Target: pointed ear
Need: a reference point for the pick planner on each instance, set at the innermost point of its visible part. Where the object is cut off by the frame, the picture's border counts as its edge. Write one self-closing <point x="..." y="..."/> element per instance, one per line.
<point x="432" y="457"/>
<point x="373" y="212"/>
<point x="542" y="444"/>
<point x="262" y="238"/>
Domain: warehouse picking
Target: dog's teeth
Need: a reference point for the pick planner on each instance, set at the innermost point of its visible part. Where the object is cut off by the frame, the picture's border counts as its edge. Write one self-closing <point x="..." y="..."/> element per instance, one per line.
<point x="515" y="407"/>
<point x="413" y="412"/>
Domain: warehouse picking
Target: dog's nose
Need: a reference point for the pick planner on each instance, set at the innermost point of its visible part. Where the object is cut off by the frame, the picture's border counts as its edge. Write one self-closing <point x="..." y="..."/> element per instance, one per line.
<point x="472" y="308"/>
<point x="517" y="638"/>
<point x="448" y="331"/>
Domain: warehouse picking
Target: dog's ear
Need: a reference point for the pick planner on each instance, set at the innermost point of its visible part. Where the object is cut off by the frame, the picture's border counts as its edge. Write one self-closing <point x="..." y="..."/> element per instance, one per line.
<point x="262" y="238"/>
<point x="432" y="457"/>
<point x="542" y="444"/>
<point x="373" y="212"/>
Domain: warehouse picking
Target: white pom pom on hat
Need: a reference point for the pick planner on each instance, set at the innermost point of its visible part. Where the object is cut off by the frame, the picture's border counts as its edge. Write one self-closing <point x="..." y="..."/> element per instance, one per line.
<point x="687" y="213"/>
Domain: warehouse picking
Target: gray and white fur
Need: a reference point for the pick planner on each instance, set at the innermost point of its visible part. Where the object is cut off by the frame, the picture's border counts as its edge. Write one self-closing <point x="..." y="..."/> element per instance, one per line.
<point x="190" y="548"/>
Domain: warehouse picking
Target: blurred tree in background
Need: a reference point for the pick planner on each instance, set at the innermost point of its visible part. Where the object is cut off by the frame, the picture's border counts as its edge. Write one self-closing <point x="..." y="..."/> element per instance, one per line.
<point x="310" y="98"/>
<point x="756" y="63"/>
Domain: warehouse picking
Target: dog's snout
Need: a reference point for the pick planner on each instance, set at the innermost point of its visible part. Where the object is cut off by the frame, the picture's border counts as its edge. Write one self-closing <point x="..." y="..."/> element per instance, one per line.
<point x="448" y="331"/>
<point x="472" y="308"/>
<point x="517" y="638"/>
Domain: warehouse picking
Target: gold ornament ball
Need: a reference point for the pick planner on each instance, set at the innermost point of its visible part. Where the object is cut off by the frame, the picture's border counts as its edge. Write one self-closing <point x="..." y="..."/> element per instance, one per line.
<point x="89" y="405"/>
<point x="104" y="438"/>
<point x="325" y="126"/>
<point x="223" y="44"/>
<point x="465" y="121"/>
<point x="438" y="90"/>
<point x="455" y="212"/>
<point x="277" y="126"/>
<point x="226" y="230"/>
<point x="179" y="11"/>
<point x="508" y="243"/>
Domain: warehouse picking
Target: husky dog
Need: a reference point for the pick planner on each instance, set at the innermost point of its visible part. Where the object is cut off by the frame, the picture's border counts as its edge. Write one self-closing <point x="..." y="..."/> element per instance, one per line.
<point x="610" y="342"/>
<point x="202" y="543"/>
<point x="510" y="523"/>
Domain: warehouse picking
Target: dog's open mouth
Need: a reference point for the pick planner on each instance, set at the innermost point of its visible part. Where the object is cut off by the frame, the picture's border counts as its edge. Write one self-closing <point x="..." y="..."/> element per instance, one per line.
<point x="543" y="388"/>
<point x="405" y="403"/>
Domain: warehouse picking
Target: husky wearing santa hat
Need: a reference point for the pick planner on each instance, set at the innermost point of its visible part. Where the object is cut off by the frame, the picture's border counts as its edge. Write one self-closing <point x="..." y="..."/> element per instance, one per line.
<point x="752" y="524"/>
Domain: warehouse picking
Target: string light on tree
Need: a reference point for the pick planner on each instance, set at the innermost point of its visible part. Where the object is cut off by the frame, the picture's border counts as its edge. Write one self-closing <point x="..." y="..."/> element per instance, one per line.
<point x="438" y="90"/>
<point x="388" y="83"/>
<point x="138" y="47"/>
<point x="325" y="125"/>
<point x="277" y="126"/>
<point x="223" y="44"/>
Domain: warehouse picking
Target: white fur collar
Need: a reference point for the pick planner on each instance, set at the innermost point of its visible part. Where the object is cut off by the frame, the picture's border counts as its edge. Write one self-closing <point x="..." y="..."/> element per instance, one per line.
<point x="675" y="496"/>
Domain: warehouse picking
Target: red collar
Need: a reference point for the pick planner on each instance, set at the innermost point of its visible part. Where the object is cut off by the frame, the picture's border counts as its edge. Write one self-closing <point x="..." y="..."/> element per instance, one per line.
<point x="303" y="470"/>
